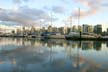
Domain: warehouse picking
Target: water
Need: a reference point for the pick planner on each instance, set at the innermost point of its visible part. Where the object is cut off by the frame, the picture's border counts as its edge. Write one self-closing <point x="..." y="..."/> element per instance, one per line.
<point x="35" y="55"/>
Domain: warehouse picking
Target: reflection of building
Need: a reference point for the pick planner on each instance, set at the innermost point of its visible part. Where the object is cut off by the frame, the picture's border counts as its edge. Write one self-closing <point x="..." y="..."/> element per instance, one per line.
<point x="106" y="44"/>
<point x="97" y="45"/>
<point x="87" y="45"/>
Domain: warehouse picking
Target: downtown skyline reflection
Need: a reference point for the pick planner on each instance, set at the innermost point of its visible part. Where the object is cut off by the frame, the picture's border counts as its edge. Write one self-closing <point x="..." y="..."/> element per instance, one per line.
<point x="30" y="55"/>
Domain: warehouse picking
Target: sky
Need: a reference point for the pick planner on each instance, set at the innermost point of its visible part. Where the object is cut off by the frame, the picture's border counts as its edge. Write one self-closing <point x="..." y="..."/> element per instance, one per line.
<point x="15" y="13"/>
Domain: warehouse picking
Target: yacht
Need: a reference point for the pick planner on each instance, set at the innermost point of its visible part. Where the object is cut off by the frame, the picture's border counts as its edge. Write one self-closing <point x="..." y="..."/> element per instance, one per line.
<point x="53" y="35"/>
<point x="73" y="35"/>
<point x="77" y="35"/>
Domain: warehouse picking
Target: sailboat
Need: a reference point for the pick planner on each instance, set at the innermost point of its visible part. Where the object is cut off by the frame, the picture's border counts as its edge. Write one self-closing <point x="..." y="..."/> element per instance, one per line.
<point x="80" y="35"/>
<point x="52" y="35"/>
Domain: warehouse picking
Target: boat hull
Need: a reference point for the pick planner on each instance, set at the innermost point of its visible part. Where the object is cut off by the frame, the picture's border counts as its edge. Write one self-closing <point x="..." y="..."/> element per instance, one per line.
<point x="55" y="37"/>
<point x="82" y="38"/>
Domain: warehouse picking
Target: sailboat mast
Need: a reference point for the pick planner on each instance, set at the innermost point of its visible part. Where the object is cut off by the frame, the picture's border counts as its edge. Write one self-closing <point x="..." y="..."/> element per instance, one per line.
<point x="79" y="22"/>
<point x="51" y="18"/>
<point x="79" y="17"/>
<point x="71" y="22"/>
<point x="78" y="58"/>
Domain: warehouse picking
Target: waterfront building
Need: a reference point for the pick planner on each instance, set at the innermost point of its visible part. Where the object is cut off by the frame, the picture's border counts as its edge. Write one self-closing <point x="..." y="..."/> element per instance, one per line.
<point x="68" y="30"/>
<point x="33" y="29"/>
<point x="107" y="30"/>
<point x="13" y="32"/>
<point x="43" y="29"/>
<point x="98" y="29"/>
<point x="85" y="28"/>
<point x="18" y="31"/>
<point x="65" y="30"/>
<point x="90" y="29"/>
<point x="49" y="28"/>
<point x="74" y="28"/>
<point x="80" y="28"/>
<point x="61" y="30"/>
<point x="54" y="29"/>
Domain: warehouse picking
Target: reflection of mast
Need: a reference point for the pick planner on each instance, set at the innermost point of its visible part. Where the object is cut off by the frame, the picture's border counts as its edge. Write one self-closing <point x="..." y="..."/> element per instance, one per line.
<point x="80" y="39"/>
<point x="79" y="21"/>
<point x="51" y="52"/>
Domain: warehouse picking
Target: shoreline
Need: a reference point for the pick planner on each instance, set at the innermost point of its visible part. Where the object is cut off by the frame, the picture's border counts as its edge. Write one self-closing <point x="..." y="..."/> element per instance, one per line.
<point x="100" y="39"/>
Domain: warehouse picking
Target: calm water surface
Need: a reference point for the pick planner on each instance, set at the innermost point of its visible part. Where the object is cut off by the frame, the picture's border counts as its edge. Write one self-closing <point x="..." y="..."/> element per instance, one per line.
<point x="29" y="55"/>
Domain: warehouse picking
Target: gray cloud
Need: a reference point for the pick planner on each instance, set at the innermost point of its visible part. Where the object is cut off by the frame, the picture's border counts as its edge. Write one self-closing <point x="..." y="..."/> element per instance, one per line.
<point x="19" y="1"/>
<point x="25" y="16"/>
<point x="58" y="9"/>
<point x="65" y="1"/>
<point x="105" y="4"/>
<point x="55" y="9"/>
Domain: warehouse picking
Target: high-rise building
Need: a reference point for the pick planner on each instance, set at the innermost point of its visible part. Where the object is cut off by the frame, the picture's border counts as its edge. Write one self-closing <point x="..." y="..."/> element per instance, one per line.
<point x="74" y="28"/>
<point x="18" y="31"/>
<point x="79" y="28"/>
<point x="54" y="29"/>
<point x="90" y="29"/>
<point x="107" y="30"/>
<point x="98" y="29"/>
<point x="43" y="29"/>
<point x="49" y="29"/>
<point x="65" y="30"/>
<point x="85" y="28"/>
<point x="61" y="30"/>
<point x="33" y="29"/>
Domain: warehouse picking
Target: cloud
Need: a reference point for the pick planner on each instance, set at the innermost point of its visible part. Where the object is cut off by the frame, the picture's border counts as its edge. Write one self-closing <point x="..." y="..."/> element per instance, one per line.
<point x="65" y="1"/>
<point x="55" y="9"/>
<point x="104" y="4"/>
<point x="25" y="16"/>
<point x="58" y="9"/>
<point x="93" y="5"/>
<point x="19" y="1"/>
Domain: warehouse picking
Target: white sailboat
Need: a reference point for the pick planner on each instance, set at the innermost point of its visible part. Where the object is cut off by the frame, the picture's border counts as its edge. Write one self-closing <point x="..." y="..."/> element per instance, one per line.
<point x="80" y="35"/>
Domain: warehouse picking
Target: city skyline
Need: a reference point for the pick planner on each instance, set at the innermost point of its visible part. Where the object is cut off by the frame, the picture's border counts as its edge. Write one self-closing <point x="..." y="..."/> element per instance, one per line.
<point x="36" y="12"/>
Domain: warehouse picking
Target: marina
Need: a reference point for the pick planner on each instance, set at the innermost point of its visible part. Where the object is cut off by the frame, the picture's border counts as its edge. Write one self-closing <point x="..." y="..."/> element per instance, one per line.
<point x="70" y="36"/>
<point x="22" y="55"/>
<point x="53" y="36"/>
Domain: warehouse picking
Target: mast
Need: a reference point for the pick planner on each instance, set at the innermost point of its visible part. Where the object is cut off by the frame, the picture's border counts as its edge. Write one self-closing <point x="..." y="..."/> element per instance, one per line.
<point x="79" y="21"/>
<point x="78" y="57"/>
<point x="71" y="22"/>
<point x="51" y="19"/>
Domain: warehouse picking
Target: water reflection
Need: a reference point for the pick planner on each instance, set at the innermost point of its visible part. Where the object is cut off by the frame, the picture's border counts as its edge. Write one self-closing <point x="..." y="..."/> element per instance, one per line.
<point x="35" y="55"/>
